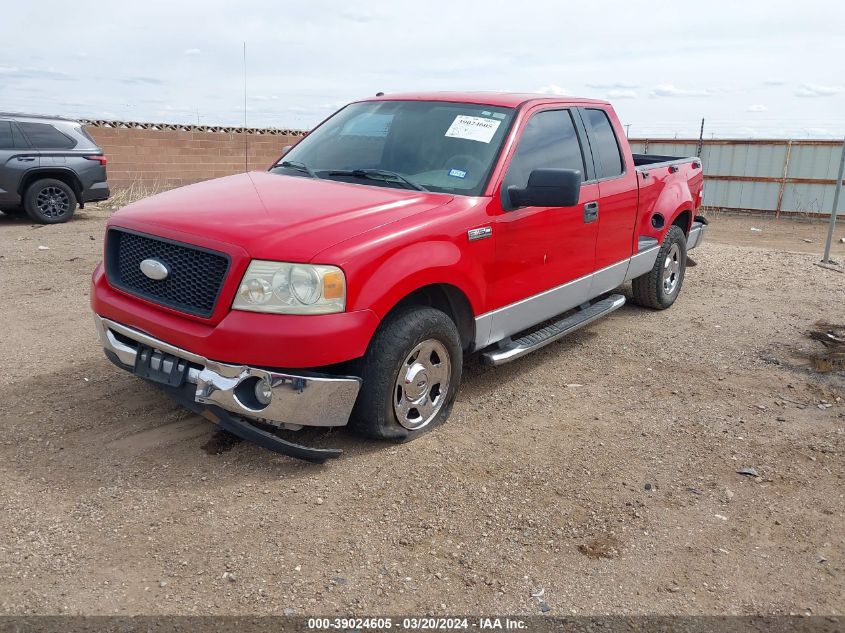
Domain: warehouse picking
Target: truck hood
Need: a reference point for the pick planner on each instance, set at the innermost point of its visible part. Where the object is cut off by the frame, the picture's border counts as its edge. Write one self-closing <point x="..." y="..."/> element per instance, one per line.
<point x="274" y="216"/>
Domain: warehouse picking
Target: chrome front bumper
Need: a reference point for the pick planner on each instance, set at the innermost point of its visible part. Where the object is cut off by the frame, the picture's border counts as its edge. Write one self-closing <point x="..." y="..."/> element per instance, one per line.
<point x="297" y="400"/>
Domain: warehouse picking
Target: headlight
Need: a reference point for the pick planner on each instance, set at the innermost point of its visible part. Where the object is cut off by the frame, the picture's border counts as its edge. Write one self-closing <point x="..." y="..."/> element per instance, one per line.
<point x="291" y="289"/>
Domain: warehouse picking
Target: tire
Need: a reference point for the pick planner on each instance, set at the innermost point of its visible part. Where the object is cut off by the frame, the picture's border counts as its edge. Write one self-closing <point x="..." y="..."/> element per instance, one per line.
<point x="658" y="288"/>
<point x="399" y="398"/>
<point x="49" y="201"/>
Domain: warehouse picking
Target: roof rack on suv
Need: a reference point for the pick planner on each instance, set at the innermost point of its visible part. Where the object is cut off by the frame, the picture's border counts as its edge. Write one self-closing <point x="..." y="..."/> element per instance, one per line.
<point x="51" y="117"/>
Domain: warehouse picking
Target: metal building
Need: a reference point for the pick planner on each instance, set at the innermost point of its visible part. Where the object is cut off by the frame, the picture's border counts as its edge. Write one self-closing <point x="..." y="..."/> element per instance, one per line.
<point x="778" y="176"/>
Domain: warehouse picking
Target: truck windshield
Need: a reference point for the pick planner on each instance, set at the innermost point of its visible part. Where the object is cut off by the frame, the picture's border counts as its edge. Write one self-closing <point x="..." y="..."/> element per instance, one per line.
<point x="427" y="145"/>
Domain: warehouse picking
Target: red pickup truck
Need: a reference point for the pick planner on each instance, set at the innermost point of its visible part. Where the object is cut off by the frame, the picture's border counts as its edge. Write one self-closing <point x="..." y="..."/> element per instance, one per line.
<point x="346" y="284"/>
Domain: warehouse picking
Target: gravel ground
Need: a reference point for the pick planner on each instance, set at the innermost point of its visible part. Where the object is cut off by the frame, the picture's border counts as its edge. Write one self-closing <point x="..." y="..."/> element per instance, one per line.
<point x="600" y="471"/>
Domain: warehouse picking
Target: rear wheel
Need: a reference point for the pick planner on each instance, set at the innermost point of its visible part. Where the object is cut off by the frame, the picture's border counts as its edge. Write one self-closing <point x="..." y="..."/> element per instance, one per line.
<point x="411" y="373"/>
<point x="659" y="287"/>
<point x="49" y="201"/>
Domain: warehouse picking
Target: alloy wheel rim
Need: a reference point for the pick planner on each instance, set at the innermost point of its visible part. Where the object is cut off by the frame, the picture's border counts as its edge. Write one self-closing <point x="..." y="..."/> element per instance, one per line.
<point x="53" y="202"/>
<point x="422" y="384"/>
<point x="672" y="270"/>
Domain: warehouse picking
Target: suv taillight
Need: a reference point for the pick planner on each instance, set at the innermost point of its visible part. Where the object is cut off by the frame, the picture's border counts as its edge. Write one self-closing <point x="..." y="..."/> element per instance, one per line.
<point x="99" y="158"/>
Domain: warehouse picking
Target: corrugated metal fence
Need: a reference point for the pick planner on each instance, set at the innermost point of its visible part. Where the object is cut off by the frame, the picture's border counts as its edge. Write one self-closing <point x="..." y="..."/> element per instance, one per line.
<point x="769" y="176"/>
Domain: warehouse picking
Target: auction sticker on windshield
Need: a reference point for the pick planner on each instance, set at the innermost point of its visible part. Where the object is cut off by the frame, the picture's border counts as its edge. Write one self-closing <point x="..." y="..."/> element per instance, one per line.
<point x="473" y="128"/>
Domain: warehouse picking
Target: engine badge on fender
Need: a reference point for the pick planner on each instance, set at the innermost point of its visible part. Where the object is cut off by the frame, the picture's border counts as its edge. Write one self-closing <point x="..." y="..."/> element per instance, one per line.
<point x="480" y="233"/>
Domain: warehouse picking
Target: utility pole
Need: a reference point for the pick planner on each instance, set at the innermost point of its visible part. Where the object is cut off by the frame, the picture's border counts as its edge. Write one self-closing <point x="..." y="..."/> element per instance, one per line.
<point x="628" y="131"/>
<point x="826" y="258"/>
<point x="700" y="139"/>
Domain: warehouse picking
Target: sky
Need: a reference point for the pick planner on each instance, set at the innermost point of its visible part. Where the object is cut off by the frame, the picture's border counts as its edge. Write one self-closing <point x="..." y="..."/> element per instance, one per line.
<point x="751" y="69"/>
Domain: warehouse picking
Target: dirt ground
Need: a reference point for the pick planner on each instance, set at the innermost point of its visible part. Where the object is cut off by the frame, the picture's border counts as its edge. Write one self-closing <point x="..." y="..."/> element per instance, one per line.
<point x="598" y="475"/>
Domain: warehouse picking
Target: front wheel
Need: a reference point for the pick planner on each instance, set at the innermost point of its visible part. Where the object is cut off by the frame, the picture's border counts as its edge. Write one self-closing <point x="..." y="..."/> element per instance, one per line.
<point x="659" y="287"/>
<point x="411" y="373"/>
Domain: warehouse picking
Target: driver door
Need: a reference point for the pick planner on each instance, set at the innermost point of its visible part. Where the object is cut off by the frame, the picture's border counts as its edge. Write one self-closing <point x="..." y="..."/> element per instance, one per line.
<point x="544" y="255"/>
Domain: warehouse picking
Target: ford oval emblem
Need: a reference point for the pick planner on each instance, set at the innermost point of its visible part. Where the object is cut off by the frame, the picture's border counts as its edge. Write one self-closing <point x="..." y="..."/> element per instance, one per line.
<point x="155" y="269"/>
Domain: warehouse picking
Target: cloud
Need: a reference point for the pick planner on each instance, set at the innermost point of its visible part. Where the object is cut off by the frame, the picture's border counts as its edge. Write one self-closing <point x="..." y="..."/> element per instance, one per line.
<point x="821" y="132"/>
<point x="670" y="90"/>
<point x="621" y="94"/>
<point x="617" y="85"/>
<point x="264" y="98"/>
<point x="757" y="107"/>
<point x="32" y="73"/>
<point x="552" y="89"/>
<point x="146" y="81"/>
<point x="463" y="64"/>
<point x="816" y="90"/>
<point x="687" y="79"/>
<point x="359" y="16"/>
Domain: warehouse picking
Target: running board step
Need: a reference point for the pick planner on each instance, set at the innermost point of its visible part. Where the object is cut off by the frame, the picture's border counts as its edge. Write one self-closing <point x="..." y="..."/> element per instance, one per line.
<point x="513" y="349"/>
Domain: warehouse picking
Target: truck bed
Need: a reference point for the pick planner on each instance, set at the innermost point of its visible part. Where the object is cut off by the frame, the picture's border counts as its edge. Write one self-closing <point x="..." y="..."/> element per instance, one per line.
<point x="664" y="182"/>
<point x="657" y="160"/>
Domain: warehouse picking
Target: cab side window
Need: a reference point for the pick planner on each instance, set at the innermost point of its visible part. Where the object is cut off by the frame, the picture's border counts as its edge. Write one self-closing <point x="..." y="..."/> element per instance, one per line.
<point x="45" y="136"/>
<point x="549" y="140"/>
<point x="11" y="137"/>
<point x="6" y="140"/>
<point x="604" y="144"/>
<point x="18" y="139"/>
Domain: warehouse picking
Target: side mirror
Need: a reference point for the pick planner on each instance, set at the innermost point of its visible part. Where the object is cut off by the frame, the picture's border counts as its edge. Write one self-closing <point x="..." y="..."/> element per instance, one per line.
<point x="548" y="188"/>
<point x="286" y="149"/>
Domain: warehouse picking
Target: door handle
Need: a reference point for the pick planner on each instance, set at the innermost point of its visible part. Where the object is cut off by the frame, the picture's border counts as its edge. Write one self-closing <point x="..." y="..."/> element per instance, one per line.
<point x="26" y="159"/>
<point x="591" y="212"/>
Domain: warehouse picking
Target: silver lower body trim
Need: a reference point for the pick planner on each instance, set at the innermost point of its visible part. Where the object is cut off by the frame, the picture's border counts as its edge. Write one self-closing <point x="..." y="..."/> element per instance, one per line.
<point x="523" y="314"/>
<point x="642" y="262"/>
<point x="296" y="400"/>
<point x="499" y="324"/>
<point x="608" y="278"/>
<point x="696" y="235"/>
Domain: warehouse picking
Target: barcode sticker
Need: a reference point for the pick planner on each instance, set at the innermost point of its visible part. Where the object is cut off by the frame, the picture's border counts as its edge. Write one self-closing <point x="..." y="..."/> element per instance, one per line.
<point x="473" y="128"/>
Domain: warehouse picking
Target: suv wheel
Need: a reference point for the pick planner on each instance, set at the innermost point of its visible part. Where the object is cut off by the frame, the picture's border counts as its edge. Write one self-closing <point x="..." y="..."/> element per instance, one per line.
<point x="411" y="373"/>
<point x="49" y="201"/>
<point x="659" y="287"/>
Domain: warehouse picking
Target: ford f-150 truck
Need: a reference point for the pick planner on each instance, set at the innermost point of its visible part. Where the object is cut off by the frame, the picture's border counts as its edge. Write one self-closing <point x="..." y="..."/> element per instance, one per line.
<point x="346" y="284"/>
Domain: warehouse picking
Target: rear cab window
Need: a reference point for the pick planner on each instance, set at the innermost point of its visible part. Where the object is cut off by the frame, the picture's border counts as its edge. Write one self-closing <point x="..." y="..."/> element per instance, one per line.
<point x="604" y="144"/>
<point x="45" y="136"/>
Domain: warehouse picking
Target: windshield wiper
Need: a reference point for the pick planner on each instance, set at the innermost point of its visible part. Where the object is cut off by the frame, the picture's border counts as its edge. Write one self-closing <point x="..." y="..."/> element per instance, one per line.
<point x="294" y="164"/>
<point x="377" y="174"/>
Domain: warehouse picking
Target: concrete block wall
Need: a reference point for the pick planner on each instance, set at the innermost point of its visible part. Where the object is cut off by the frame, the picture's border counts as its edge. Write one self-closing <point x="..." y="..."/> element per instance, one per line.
<point x="163" y="159"/>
